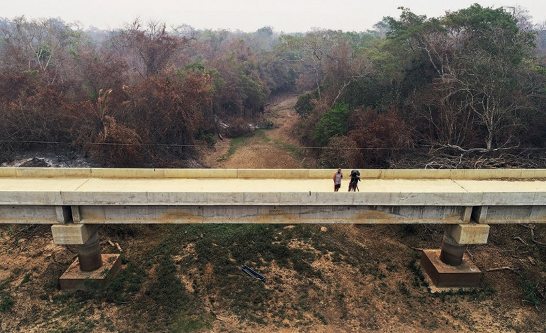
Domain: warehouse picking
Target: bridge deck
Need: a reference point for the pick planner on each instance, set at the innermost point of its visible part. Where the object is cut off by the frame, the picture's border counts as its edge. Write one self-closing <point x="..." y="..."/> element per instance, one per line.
<point x="183" y="200"/>
<point x="59" y="191"/>
<point x="265" y="185"/>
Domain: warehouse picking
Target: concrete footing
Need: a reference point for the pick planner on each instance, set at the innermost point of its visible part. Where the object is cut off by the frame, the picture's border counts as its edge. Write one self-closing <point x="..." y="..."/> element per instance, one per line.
<point x="443" y="275"/>
<point x="76" y="279"/>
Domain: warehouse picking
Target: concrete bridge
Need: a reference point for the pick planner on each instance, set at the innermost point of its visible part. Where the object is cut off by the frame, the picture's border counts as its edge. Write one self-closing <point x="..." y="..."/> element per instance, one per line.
<point x="76" y="201"/>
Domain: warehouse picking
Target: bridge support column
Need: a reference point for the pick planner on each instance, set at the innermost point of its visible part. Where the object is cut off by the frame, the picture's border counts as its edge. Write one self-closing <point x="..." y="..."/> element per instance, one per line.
<point x="450" y="267"/>
<point x="91" y="268"/>
<point x="452" y="252"/>
<point x="89" y="254"/>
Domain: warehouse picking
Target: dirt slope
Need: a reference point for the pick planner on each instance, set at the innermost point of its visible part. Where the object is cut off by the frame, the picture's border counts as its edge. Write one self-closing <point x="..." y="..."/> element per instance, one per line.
<point x="275" y="148"/>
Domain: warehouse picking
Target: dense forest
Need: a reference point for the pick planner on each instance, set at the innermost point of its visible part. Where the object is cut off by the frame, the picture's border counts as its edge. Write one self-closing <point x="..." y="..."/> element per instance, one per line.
<point x="465" y="90"/>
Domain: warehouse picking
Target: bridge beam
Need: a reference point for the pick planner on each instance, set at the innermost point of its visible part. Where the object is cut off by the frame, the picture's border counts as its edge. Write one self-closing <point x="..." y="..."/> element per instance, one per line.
<point x="450" y="267"/>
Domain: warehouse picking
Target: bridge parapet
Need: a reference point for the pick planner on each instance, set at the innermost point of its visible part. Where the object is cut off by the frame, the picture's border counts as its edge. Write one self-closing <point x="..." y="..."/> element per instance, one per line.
<point x="470" y="174"/>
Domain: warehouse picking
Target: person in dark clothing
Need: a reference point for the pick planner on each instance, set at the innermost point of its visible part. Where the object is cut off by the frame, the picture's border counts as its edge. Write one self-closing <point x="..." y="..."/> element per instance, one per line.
<point x="355" y="178"/>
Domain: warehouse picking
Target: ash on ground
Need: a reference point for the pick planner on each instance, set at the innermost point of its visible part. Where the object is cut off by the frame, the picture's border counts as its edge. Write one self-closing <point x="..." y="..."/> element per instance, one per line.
<point x="41" y="159"/>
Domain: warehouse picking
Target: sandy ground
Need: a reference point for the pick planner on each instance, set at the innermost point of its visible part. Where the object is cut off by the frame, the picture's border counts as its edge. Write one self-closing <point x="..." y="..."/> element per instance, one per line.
<point x="265" y="151"/>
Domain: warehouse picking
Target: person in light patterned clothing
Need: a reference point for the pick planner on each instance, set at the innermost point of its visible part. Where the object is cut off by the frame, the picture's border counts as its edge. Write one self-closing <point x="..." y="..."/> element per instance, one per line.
<point x="337" y="179"/>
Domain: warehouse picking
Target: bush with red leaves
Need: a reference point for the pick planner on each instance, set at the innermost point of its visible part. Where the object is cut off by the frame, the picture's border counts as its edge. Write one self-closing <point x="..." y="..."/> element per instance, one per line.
<point x="117" y="145"/>
<point x="383" y="134"/>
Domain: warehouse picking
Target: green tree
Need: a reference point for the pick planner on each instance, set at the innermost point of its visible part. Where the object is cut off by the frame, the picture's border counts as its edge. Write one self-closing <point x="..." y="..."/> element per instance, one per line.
<point x="334" y="122"/>
<point x="470" y="63"/>
<point x="488" y="69"/>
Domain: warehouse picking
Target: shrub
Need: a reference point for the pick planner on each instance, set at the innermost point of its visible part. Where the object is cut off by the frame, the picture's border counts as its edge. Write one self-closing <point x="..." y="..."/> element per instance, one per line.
<point x="6" y="302"/>
<point x="117" y="145"/>
<point x="333" y="122"/>
<point x="207" y="137"/>
<point x="531" y="291"/>
<point x="239" y="127"/>
<point x="267" y="124"/>
<point x="305" y="104"/>
<point x="380" y="132"/>
<point x="31" y="112"/>
<point x="341" y="152"/>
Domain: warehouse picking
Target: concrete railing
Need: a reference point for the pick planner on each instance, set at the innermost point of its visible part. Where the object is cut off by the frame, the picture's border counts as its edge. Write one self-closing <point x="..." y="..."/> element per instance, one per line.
<point x="471" y="174"/>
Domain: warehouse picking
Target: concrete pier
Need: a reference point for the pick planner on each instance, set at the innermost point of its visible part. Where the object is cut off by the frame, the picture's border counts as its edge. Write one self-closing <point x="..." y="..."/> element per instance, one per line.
<point x="89" y="254"/>
<point x="450" y="267"/>
<point x="91" y="268"/>
<point x="452" y="252"/>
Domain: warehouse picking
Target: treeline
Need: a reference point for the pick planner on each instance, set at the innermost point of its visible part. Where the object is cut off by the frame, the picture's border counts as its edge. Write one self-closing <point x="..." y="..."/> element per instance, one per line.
<point x="139" y="96"/>
<point x="463" y="90"/>
<point x="466" y="90"/>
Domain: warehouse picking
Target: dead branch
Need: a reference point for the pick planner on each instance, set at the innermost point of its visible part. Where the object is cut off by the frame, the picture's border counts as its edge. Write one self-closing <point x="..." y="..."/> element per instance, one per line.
<point x="469" y="150"/>
<point x="470" y="254"/>
<point x="532" y="229"/>
<point x="428" y="229"/>
<point x="503" y="268"/>
<point x="521" y="240"/>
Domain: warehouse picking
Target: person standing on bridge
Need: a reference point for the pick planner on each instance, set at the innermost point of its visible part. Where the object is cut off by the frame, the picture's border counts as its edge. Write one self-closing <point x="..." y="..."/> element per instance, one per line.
<point x="337" y="179"/>
<point x="355" y="178"/>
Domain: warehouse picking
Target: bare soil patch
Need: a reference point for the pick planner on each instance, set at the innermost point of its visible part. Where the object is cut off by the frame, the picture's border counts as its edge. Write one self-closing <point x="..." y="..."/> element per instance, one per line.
<point x="276" y="148"/>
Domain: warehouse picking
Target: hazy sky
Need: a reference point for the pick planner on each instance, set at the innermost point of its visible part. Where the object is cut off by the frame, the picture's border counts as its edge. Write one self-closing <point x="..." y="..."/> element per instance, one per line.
<point x="247" y="15"/>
